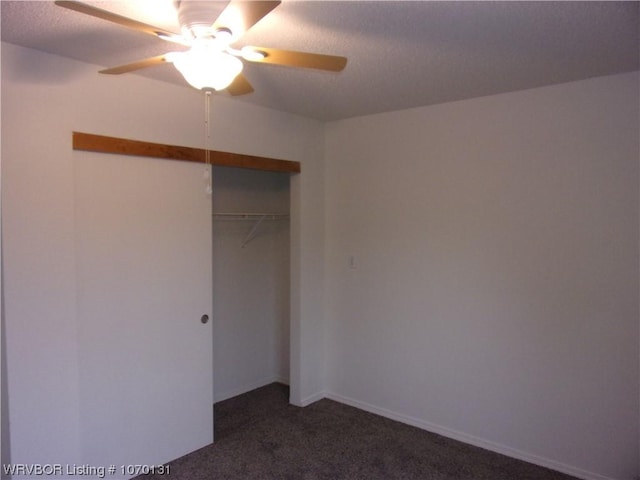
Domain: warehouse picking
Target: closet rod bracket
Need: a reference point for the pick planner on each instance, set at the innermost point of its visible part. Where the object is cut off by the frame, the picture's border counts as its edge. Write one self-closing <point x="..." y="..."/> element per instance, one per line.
<point x="253" y="231"/>
<point x="258" y="217"/>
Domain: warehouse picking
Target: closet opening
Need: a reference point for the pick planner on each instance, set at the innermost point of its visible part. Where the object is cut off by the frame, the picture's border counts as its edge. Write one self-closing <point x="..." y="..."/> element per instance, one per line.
<point x="251" y="280"/>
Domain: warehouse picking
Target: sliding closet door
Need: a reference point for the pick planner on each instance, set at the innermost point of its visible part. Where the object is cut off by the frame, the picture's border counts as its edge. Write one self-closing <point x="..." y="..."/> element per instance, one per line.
<point x="143" y="246"/>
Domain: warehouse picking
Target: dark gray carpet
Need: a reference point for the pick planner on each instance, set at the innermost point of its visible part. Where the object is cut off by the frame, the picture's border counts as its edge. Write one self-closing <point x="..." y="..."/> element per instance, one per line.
<point x="260" y="436"/>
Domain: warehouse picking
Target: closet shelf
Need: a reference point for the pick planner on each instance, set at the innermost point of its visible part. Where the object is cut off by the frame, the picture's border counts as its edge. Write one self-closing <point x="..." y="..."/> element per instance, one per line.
<point x="258" y="218"/>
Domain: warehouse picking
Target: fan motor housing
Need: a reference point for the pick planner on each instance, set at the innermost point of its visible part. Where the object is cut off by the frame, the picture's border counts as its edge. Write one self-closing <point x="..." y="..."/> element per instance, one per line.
<point x="196" y="17"/>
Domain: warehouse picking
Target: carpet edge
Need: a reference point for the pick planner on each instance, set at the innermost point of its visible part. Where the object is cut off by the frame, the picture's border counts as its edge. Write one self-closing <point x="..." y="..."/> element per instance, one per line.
<point x="219" y="397"/>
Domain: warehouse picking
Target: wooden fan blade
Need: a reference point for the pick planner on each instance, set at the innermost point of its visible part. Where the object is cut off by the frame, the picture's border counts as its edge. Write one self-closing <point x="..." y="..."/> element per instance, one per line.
<point x="240" y="15"/>
<point x="240" y="86"/>
<point x="300" y="59"/>
<point x="113" y="17"/>
<point x="130" y="67"/>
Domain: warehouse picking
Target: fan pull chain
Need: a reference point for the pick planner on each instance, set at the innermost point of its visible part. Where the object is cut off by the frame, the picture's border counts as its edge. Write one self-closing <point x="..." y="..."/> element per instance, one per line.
<point x="207" y="151"/>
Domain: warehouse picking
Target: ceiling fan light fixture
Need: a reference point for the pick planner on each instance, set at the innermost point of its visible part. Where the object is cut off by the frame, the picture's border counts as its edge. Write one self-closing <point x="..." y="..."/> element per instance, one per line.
<point x="211" y="62"/>
<point x="206" y="68"/>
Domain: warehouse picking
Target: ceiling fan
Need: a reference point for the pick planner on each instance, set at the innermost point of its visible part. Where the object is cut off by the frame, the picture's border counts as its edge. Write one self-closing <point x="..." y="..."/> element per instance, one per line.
<point x="211" y="62"/>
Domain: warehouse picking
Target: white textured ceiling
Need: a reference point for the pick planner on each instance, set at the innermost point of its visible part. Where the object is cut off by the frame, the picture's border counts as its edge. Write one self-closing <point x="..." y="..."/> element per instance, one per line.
<point x="401" y="54"/>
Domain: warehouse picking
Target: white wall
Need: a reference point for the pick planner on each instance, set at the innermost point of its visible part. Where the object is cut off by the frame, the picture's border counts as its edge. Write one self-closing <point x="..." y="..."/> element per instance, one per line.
<point x="251" y="283"/>
<point x="495" y="291"/>
<point x="45" y="98"/>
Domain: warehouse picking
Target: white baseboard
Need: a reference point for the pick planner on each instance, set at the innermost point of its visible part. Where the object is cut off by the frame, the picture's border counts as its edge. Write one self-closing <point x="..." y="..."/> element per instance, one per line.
<point x="218" y="397"/>
<point x="312" y="399"/>
<point x="470" y="439"/>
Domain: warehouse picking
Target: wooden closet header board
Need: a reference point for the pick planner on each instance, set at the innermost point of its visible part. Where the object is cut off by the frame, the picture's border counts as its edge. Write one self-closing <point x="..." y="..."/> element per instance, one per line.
<point x="103" y="144"/>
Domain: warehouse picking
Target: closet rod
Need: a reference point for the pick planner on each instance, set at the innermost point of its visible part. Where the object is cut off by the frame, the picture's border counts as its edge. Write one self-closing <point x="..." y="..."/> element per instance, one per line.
<point x="251" y="216"/>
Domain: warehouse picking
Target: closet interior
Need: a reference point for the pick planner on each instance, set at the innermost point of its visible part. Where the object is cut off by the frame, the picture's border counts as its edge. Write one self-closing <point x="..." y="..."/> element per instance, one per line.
<point x="250" y="280"/>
